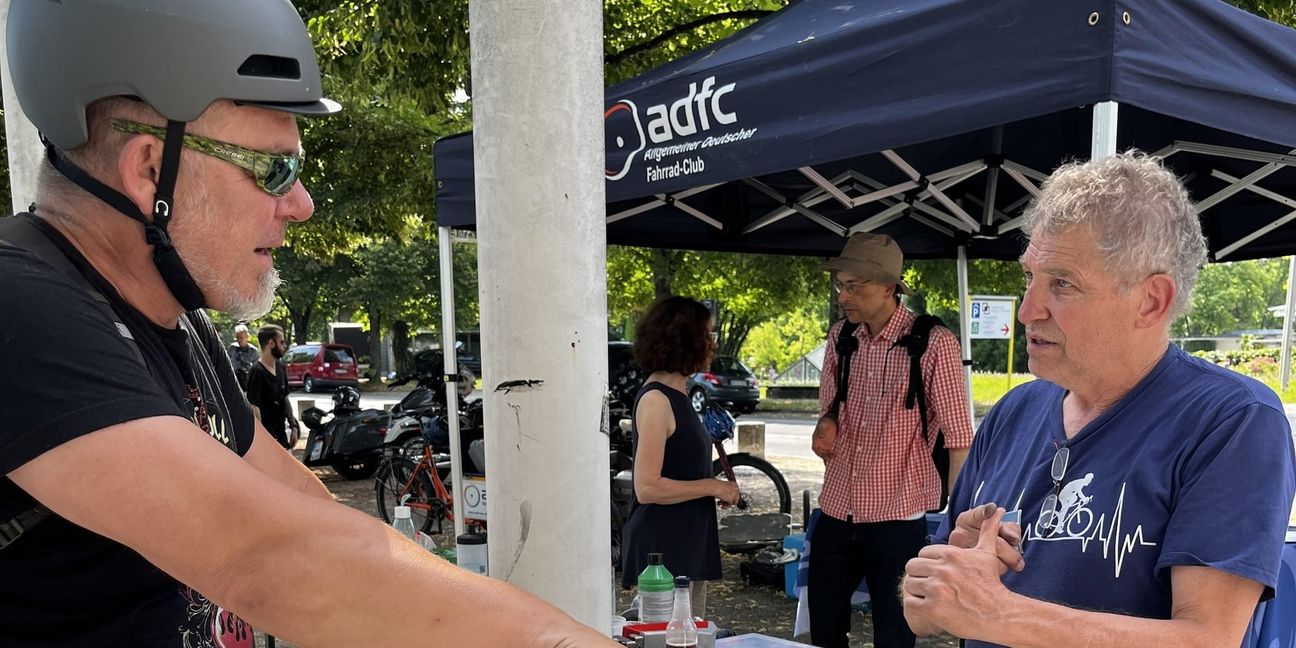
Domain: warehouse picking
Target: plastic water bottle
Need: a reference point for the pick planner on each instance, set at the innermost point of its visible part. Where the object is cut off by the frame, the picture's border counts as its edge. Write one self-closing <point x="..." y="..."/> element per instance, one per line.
<point x="681" y="631"/>
<point x="655" y="596"/>
<point x="403" y="524"/>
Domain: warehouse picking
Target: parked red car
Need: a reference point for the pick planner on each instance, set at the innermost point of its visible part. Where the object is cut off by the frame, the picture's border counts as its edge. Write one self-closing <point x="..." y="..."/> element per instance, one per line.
<point x="314" y="366"/>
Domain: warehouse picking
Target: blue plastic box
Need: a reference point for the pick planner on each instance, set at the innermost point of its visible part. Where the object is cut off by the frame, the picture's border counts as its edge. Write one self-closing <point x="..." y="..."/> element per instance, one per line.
<point x="794" y="541"/>
<point x="797" y="541"/>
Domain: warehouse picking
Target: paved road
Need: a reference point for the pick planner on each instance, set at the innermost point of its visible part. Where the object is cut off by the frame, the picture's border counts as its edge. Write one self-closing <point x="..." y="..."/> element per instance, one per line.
<point x="787" y="437"/>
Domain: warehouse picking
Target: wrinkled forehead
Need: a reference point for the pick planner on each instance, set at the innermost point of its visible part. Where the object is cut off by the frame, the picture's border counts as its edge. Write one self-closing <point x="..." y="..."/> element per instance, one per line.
<point x="1062" y="253"/>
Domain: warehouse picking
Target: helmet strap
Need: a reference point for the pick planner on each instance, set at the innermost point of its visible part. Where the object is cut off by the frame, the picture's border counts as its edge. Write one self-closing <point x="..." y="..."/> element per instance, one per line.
<point x="165" y="257"/>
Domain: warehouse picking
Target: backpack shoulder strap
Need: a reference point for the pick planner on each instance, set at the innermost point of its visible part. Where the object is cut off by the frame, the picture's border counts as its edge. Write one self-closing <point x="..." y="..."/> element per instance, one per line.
<point x="20" y="231"/>
<point x="846" y="344"/>
<point x="915" y="343"/>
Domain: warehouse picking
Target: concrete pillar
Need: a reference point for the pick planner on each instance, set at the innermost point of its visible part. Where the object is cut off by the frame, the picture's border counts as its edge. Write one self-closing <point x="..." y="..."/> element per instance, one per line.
<point x="751" y="438"/>
<point x="538" y="152"/>
<point x="21" y="138"/>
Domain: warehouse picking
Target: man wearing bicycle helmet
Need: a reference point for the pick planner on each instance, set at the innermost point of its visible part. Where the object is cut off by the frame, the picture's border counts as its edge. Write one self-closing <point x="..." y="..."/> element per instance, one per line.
<point x="141" y="504"/>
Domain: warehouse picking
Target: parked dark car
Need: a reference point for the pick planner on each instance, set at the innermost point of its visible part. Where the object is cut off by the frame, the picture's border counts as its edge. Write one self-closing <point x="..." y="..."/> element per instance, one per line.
<point x="727" y="381"/>
<point x="315" y="366"/>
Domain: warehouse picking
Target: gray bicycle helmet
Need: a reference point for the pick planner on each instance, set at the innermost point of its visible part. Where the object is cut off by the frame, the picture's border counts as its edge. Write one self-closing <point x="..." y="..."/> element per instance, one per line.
<point x="178" y="56"/>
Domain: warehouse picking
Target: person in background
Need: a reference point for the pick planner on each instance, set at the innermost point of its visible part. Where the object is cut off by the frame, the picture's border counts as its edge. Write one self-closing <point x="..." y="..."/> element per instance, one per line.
<point x="879" y="475"/>
<point x="242" y="355"/>
<point x="267" y="386"/>
<point x="1151" y="489"/>
<point x="675" y="491"/>
<point x="144" y="505"/>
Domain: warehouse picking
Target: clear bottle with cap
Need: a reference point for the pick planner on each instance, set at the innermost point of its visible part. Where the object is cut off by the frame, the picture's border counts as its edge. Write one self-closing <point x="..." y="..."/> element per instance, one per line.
<point x="654" y="591"/>
<point x="403" y="523"/>
<point x="681" y="631"/>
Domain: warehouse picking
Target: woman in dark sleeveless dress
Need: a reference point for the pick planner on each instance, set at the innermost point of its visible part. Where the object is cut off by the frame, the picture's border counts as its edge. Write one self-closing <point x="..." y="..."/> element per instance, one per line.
<point x="675" y="490"/>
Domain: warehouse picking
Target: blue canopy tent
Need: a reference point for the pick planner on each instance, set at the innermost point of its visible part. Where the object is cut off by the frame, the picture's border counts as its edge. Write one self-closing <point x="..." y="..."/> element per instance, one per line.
<point x="934" y="121"/>
<point x="915" y="117"/>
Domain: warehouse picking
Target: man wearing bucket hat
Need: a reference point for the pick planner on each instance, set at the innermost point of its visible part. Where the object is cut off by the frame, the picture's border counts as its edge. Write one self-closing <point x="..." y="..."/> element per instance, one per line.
<point x="140" y="503"/>
<point x="879" y="477"/>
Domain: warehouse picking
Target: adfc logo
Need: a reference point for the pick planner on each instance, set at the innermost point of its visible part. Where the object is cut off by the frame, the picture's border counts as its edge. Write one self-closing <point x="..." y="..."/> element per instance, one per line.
<point x="696" y="112"/>
<point x="625" y="138"/>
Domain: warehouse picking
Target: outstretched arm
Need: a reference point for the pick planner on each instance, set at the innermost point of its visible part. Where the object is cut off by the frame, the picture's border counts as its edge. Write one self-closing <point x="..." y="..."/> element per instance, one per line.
<point x="309" y="570"/>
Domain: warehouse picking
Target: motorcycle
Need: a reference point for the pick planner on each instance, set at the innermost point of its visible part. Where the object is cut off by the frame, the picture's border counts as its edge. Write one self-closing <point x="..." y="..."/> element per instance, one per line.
<point x="419" y="418"/>
<point x="348" y="439"/>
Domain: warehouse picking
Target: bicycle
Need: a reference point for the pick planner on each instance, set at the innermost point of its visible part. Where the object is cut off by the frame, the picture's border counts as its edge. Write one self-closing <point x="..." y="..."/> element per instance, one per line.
<point x="430" y="501"/>
<point x="764" y="507"/>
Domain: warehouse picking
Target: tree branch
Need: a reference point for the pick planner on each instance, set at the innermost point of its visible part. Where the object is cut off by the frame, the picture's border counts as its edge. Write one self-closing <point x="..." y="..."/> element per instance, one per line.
<point x="745" y="14"/>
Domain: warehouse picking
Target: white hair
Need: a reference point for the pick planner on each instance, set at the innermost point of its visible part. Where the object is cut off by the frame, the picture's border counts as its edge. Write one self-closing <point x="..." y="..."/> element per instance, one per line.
<point x="1138" y="213"/>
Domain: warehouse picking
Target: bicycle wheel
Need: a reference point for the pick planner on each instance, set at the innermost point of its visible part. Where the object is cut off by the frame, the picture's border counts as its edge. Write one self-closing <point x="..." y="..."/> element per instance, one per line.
<point x="394" y="481"/>
<point x="761" y="487"/>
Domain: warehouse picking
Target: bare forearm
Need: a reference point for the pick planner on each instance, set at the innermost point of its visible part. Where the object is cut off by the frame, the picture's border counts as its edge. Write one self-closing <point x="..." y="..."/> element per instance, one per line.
<point x="279" y="464"/>
<point x="674" y="491"/>
<point x="957" y="457"/>
<point x="1028" y="623"/>
<point x="331" y="576"/>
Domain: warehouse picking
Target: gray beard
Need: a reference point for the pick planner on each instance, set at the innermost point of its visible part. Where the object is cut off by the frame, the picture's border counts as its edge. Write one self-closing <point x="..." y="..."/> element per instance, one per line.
<point x="249" y="307"/>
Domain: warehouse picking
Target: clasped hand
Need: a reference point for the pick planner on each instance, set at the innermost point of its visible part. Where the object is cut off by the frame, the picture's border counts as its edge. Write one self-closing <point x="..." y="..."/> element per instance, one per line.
<point x="956" y="588"/>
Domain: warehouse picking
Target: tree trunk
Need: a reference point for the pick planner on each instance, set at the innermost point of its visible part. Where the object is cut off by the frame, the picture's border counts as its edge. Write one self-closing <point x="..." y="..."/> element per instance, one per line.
<point x="401" y="348"/>
<point x="300" y="321"/>
<point x="834" y="307"/>
<point x="376" y="365"/>
<point x="664" y="264"/>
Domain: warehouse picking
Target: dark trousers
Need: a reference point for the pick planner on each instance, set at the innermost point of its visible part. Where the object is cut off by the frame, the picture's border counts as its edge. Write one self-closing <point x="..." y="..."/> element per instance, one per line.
<point x="844" y="553"/>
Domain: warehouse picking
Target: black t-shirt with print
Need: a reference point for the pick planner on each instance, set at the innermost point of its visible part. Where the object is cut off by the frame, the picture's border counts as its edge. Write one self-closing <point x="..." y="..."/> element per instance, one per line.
<point x="66" y="371"/>
<point x="269" y="392"/>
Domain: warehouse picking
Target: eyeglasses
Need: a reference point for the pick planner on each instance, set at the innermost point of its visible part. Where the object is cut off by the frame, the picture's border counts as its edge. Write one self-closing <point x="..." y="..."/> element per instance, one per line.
<point x="713" y="336"/>
<point x="274" y="173"/>
<point x="1048" y="512"/>
<point x="848" y="287"/>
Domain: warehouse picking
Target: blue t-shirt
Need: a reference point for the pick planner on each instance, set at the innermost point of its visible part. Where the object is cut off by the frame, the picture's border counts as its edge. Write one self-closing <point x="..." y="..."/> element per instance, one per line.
<point x="1194" y="466"/>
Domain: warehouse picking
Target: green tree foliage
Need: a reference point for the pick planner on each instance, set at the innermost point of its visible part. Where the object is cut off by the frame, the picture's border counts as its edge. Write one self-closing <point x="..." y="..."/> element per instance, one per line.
<point x="413" y="49"/>
<point x="396" y="286"/>
<point x="312" y="287"/>
<point x="639" y="35"/>
<point x="750" y="288"/>
<point x="1233" y="296"/>
<point x="780" y="341"/>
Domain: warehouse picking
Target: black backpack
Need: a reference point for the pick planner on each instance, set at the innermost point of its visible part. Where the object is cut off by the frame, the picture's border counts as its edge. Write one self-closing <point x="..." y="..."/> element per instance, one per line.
<point x="915" y="345"/>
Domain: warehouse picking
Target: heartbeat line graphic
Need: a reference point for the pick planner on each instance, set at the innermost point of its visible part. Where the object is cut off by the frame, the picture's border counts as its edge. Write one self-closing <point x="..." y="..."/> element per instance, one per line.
<point x="1116" y="543"/>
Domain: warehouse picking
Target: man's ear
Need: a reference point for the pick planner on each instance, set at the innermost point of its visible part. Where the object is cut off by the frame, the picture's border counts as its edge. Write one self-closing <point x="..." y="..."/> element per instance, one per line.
<point x="1158" y="294"/>
<point x="138" y="165"/>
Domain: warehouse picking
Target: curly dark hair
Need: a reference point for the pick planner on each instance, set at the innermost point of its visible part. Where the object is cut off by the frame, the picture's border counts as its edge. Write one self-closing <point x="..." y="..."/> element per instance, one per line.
<point x="673" y="337"/>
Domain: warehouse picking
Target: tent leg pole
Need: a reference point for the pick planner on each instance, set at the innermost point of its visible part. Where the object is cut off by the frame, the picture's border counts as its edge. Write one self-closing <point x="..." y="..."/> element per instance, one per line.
<point x="1287" y="323"/>
<point x="1104" y="129"/>
<point x="965" y="327"/>
<point x="445" y="249"/>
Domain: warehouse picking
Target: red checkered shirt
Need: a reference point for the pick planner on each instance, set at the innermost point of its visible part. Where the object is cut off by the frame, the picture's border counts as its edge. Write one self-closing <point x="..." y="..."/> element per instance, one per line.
<point x="881" y="467"/>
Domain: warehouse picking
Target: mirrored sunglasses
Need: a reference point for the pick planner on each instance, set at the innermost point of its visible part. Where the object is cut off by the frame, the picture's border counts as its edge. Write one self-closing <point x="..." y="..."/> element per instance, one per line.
<point x="274" y="173"/>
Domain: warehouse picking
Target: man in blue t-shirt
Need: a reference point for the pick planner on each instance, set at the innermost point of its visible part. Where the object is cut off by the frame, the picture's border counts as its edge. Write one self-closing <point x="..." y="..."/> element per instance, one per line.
<point x="1135" y="495"/>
